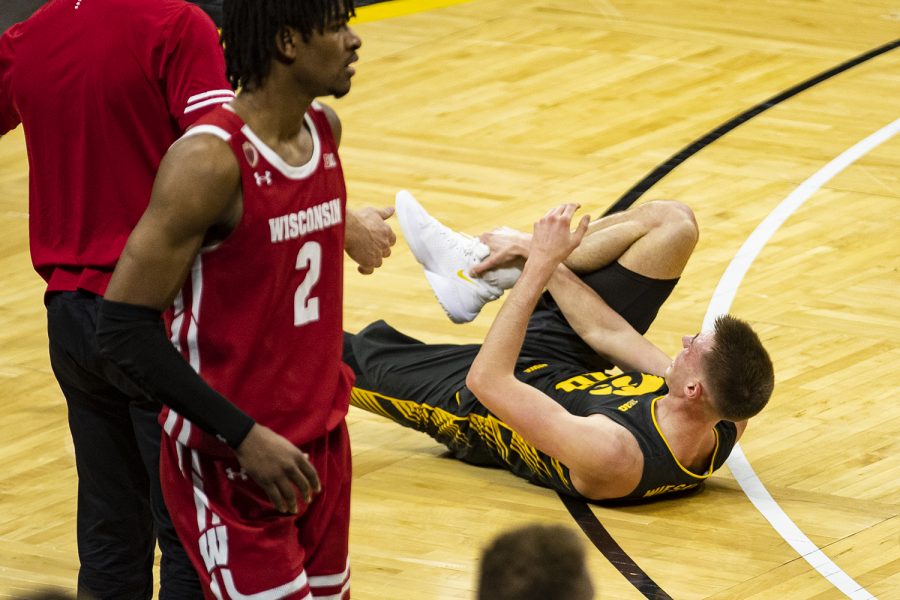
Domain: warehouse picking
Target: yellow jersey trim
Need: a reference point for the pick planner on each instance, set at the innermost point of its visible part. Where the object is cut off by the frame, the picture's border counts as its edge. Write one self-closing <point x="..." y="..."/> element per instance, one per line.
<point x="712" y="460"/>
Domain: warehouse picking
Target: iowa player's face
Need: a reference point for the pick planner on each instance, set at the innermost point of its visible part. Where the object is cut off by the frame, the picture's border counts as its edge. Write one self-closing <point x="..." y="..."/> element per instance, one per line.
<point x="326" y="59"/>
<point x="687" y="363"/>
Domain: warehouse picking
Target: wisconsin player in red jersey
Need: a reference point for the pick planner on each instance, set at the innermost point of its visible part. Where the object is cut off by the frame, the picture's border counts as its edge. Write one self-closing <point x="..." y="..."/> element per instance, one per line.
<point x="245" y="234"/>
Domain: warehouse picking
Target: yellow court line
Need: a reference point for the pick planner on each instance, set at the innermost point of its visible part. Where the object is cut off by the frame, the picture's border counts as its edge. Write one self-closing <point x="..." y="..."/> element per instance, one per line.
<point x="399" y="8"/>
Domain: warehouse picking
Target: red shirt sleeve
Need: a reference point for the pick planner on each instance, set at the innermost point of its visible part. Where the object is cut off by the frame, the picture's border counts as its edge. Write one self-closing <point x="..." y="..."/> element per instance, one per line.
<point x="194" y="67"/>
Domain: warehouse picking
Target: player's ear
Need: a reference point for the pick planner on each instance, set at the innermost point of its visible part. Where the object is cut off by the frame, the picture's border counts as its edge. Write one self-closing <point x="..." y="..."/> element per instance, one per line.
<point x="693" y="389"/>
<point x="286" y="42"/>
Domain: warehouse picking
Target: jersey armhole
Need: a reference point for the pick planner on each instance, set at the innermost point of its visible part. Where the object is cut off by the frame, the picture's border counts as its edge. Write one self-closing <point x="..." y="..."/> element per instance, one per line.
<point x="208" y="129"/>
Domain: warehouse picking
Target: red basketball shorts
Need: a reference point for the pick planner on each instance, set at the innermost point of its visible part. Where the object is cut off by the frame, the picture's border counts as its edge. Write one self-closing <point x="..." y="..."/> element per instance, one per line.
<point x="240" y="545"/>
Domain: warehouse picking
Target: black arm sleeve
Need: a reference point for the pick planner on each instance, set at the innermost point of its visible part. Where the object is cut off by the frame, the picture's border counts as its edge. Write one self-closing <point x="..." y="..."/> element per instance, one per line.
<point x="134" y="339"/>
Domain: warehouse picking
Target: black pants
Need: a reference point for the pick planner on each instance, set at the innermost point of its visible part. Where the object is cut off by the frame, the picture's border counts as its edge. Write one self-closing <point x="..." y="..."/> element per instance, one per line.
<point x="116" y="436"/>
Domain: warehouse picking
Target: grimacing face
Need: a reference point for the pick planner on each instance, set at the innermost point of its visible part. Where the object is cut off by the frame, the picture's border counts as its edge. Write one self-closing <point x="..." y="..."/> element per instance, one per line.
<point x="688" y="362"/>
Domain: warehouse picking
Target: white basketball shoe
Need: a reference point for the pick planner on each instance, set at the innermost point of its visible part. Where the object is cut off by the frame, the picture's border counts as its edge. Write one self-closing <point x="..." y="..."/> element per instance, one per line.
<point x="447" y="257"/>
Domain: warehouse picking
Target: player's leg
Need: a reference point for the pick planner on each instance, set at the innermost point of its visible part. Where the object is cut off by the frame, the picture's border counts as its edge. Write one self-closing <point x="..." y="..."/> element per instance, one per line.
<point x="324" y="531"/>
<point x="393" y="364"/>
<point x="420" y="386"/>
<point x="655" y="239"/>
<point x="114" y="524"/>
<point x="177" y="576"/>
<point x="634" y="236"/>
<point x="632" y="260"/>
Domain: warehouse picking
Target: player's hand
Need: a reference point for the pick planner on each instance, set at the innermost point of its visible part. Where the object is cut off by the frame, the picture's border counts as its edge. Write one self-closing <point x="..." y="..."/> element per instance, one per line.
<point x="553" y="240"/>
<point x="369" y="238"/>
<point x="279" y="467"/>
<point x="508" y="248"/>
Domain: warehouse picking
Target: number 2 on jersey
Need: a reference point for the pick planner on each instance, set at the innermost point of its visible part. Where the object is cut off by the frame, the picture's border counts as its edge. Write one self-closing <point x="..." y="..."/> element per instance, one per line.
<point x="306" y="309"/>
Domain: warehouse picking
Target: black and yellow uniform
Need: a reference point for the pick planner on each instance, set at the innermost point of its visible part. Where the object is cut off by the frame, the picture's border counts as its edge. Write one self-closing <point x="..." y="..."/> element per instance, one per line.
<point x="422" y="386"/>
<point x="405" y="380"/>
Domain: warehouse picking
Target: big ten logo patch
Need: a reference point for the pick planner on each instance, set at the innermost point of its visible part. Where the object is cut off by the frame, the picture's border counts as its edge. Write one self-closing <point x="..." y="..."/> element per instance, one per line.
<point x="601" y="384"/>
<point x="627" y="405"/>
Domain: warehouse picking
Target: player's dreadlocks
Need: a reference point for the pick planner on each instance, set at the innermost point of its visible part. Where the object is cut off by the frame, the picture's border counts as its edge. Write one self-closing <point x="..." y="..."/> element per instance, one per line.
<point x="249" y="28"/>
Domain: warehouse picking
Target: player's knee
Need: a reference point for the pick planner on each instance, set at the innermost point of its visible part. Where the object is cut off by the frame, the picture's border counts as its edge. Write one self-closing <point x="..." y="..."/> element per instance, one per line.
<point x="686" y="223"/>
<point x="677" y="219"/>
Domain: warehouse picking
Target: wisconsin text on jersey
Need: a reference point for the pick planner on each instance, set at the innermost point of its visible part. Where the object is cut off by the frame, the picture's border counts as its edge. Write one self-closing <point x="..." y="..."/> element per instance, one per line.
<point x="315" y="218"/>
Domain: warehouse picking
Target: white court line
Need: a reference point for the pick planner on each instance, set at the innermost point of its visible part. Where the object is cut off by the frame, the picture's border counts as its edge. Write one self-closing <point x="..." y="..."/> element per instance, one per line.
<point x="721" y="303"/>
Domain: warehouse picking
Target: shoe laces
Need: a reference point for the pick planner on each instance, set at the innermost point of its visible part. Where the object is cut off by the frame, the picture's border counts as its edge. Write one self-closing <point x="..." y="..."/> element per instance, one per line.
<point x="455" y="240"/>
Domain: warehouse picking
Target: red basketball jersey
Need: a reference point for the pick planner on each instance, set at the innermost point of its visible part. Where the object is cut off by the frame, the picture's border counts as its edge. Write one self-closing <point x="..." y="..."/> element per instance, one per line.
<point x="260" y="317"/>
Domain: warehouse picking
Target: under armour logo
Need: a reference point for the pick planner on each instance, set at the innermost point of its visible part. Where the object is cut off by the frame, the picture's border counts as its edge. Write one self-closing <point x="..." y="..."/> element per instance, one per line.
<point x="329" y="160"/>
<point x="232" y="474"/>
<point x="264" y="178"/>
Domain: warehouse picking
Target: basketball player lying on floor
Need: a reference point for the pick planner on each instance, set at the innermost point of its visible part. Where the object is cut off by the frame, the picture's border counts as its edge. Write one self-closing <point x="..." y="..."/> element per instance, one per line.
<point x="536" y="397"/>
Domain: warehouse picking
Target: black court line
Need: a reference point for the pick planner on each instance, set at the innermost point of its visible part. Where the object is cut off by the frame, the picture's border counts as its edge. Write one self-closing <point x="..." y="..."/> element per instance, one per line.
<point x="604" y="542"/>
<point x="579" y="509"/>
<point x="632" y="195"/>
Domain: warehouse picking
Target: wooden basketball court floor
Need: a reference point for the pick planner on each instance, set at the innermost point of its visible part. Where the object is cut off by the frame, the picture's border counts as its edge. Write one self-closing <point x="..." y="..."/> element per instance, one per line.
<point x="491" y="111"/>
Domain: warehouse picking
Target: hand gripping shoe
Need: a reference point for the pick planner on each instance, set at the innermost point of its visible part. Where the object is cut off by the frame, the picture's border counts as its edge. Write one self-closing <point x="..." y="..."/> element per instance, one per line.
<point x="447" y="257"/>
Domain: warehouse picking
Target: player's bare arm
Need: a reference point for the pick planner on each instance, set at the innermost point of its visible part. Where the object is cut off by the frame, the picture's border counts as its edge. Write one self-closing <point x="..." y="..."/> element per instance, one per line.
<point x="196" y="200"/>
<point x="196" y="194"/>
<point x="607" y="239"/>
<point x="551" y="243"/>
<point x="632" y="238"/>
<point x="602" y="328"/>
<point x="603" y="461"/>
